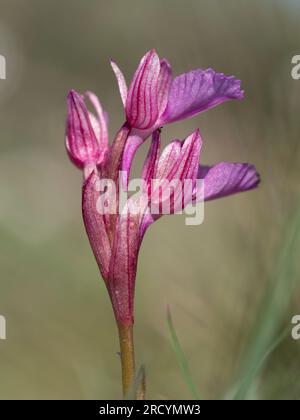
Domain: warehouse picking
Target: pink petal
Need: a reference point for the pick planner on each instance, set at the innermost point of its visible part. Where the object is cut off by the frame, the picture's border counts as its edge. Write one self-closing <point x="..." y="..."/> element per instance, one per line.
<point x="227" y="178"/>
<point x="121" y="81"/>
<point x="95" y="124"/>
<point x="164" y="83"/>
<point x="168" y="158"/>
<point x="102" y="120"/>
<point x="150" y="164"/>
<point x="189" y="158"/>
<point x="197" y="91"/>
<point x="142" y="100"/>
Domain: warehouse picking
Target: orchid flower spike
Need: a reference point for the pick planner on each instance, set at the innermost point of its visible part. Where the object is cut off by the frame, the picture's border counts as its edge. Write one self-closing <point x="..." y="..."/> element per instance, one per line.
<point x="153" y="99"/>
<point x="116" y="231"/>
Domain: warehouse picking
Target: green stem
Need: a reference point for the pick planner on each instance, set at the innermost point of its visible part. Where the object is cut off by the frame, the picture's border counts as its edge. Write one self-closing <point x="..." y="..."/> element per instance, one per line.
<point x="128" y="362"/>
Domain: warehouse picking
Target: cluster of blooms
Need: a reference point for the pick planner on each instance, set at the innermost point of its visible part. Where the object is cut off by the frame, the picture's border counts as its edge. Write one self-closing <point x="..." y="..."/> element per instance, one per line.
<point x="153" y="100"/>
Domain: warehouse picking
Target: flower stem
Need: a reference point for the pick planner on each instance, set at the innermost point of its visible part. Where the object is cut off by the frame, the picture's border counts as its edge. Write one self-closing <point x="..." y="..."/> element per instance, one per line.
<point x="127" y="357"/>
<point x="128" y="364"/>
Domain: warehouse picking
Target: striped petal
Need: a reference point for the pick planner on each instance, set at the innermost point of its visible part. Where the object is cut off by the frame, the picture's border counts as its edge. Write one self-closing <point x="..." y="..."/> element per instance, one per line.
<point x="151" y="161"/>
<point x="142" y="100"/>
<point x="121" y="81"/>
<point x="168" y="159"/>
<point x="101" y="118"/>
<point x="189" y="158"/>
<point x="164" y="83"/>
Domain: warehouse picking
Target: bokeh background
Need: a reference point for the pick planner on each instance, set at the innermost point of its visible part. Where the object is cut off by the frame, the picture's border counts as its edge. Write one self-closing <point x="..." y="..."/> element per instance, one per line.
<point x="232" y="283"/>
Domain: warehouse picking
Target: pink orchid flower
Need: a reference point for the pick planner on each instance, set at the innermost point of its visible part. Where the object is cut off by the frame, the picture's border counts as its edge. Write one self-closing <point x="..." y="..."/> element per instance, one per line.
<point x="155" y="99"/>
<point x="179" y="161"/>
<point x="116" y="235"/>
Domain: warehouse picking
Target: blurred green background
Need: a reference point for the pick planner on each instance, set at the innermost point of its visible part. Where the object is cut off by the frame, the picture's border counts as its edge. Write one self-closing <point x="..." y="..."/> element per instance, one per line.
<point x="227" y="285"/>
